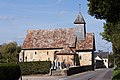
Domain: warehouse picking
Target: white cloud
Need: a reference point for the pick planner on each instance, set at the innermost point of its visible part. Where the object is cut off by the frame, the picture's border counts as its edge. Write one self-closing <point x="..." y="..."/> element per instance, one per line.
<point x="7" y="17"/>
<point x="21" y="36"/>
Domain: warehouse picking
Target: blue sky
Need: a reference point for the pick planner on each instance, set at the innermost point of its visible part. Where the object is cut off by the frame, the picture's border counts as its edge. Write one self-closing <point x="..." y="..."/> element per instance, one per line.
<point x="17" y="16"/>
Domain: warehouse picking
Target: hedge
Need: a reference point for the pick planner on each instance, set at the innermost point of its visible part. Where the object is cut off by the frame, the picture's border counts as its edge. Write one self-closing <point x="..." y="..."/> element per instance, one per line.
<point x="39" y="67"/>
<point x="9" y="71"/>
<point x="116" y="74"/>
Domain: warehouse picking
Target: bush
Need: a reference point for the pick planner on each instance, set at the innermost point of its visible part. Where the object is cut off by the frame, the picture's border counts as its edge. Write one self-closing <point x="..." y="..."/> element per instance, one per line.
<point x="116" y="74"/>
<point x="9" y="71"/>
<point x="39" y="67"/>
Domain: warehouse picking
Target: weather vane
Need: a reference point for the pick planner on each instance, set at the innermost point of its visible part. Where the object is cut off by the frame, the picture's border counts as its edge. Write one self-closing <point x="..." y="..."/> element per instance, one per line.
<point x="79" y="8"/>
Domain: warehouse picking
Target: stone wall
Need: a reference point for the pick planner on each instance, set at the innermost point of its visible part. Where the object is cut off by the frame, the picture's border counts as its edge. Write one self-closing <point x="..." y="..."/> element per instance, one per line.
<point x="67" y="59"/>
<point x="37" y="55"/>
<point x="71" y="71"/>
<point x="75" y="70"/>
<point x="85" y="58"/>
<point x="59" y="72"/>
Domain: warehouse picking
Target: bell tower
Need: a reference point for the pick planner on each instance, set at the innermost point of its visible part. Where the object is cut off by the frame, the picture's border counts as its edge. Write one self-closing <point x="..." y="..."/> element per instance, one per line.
<point x="80" y="29"/>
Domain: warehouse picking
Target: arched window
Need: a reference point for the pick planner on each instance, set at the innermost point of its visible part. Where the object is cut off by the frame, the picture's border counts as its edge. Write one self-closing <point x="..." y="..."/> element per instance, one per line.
<point x="80" y="57"/>
<point x="47" y="52"/>
<point x="35" y="53"/>
<point x="26" y="58"/>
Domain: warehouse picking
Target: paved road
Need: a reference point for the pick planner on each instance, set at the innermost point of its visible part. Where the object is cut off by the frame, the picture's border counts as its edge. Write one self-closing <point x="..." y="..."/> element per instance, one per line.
<point x="99" y="74"/>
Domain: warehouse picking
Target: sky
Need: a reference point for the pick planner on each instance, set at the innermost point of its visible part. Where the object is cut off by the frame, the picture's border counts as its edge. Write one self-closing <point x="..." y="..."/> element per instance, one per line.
<point x="18" y="16"/>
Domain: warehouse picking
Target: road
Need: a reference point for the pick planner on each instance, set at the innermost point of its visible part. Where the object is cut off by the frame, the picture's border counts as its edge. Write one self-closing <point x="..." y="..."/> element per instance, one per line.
<point x="98" y="74"/>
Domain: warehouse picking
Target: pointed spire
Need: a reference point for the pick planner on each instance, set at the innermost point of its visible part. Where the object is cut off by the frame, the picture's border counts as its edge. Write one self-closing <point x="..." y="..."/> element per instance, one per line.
<point x="79" y="8"/>
<point x="79" y="19"/>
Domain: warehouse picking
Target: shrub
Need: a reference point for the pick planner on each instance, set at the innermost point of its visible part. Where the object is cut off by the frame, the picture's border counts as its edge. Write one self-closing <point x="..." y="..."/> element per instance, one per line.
<point x="116" y="74"/>
<point x="9" y="71"/>
<point x="37" y="67"/>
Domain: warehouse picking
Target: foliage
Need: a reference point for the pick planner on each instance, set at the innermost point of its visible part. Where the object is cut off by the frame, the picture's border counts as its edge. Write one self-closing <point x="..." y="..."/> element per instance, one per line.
<point x="109" y="10"/>
<point x="9" y="71"/>
<point x="117" y="56"/>
<point x="111" y="60"/>
<point x="112" y="33"/>
<point x="116" y="74"/>
<point x="107" y="32"/>
<point x="39" y="67"/>
<point x="9" y="52"/>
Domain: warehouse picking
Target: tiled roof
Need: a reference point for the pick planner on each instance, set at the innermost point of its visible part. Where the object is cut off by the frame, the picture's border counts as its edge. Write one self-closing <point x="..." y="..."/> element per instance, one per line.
<point x="58" y="38"/>
<point x="86" y="44"/>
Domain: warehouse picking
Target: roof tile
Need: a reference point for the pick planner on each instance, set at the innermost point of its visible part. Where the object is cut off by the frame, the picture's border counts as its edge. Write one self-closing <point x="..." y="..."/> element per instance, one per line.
<point x="57" y="38"/>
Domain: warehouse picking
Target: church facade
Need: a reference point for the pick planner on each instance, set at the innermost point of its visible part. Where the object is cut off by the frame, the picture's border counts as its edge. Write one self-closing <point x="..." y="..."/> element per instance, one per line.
<point x="73" y="46"/>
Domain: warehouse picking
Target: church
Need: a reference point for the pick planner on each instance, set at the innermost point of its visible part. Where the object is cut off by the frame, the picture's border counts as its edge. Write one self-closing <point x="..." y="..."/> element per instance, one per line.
<point x="73" y="46"/>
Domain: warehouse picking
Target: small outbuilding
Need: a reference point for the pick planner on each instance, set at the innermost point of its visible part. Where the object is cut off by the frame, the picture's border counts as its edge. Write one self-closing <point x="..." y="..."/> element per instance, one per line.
<point x="101" y="59"/>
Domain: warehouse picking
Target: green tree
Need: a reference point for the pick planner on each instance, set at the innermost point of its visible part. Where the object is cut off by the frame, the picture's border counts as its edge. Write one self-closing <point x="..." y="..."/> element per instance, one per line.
<point x="111" y="59"/>
<point x="108" y="10"/>
<point x="112" y="34"/>
<point x="9" y="52"/>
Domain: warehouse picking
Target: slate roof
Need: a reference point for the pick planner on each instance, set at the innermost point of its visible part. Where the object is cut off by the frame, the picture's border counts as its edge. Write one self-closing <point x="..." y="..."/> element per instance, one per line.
<point x="79" y="19"/>
<point x="57" y="38"/>
<point x="101" y="54"/>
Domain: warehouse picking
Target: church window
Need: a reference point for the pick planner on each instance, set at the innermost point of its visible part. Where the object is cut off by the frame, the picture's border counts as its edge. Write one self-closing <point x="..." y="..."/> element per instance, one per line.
<point x="48" y="59"/>
<point x="80" y="57"/>
<point x="35" y="52"/>
<point x="47" y="53"/>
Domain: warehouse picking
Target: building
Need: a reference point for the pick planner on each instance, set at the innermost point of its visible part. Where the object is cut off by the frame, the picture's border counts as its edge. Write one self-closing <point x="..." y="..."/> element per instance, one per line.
<point x="73" y="46"/>
<point x="101" y="59"/>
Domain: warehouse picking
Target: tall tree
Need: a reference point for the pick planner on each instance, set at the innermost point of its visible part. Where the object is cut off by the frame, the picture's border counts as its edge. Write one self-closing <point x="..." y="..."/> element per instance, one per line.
<point x="108" y="10"/>
<point x="111" y="59"/>
<point x="9" y="52"/>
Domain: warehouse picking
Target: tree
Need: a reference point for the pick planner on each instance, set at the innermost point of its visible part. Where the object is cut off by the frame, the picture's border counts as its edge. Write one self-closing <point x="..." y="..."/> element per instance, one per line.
<point x="9" y="52"/>
<point x="112" y="34"/>
<point x="108" y="10"/>
<point x="111" y="59"/>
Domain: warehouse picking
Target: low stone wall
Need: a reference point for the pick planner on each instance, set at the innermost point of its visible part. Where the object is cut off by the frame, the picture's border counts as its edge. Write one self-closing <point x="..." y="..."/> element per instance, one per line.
<point x="71" y="70"/>
<point x="75" y="70"/>
<point x="59" y="72"/>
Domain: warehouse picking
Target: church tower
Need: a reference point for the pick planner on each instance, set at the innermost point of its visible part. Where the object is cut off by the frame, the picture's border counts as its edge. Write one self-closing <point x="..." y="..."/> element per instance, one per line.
<point x="80" y="29"/>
